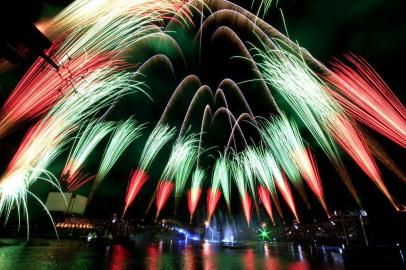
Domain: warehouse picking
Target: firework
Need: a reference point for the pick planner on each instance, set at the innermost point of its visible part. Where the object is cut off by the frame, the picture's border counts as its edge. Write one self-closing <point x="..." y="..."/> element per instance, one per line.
<point x="156" y="140"/>
<point x="84" y="42"/>
<point x="181" y="161"/>
<point x="124" y="134"/>
<point x="164" y="189"/>
<point x="91" y="50"/>
<point x="303" y="90"/>
<point x="213" y="196"/>
<point x="241" y="183"/>
<point x="46" y="140"/>
<point x="286" y="144"/>
<point x="264" y="195"/>
<point x="193" y="194"/>
<point x="255" y="163"/>
<point x="368" y="98"/>
<point x="221" y="177"/>
<point x="88" y="139"/>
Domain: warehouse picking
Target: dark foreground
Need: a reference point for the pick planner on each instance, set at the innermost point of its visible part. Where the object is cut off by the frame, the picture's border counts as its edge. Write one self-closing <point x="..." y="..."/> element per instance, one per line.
<point x="76" y="254"/>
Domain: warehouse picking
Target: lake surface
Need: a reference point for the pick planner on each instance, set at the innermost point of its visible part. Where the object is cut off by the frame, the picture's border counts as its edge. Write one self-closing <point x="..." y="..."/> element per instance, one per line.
<point x="77" y="254"/>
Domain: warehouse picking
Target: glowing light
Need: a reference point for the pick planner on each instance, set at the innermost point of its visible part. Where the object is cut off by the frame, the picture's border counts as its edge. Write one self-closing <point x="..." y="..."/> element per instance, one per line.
<point x="181" y="162"/>
<point x="195" y="191"/>
<point x="368" y="98"/>
<point x="164" y="189"/>
<point x="156" y="140"/>
<point x="266" y="201"/>
<point x="88" y="139"/>
<point x="239" y="178"/>
<point x="137" y="180"/>
<point x="264" y="233"/>
<point x="124" y="134"/>
<point x="213" y="196"/>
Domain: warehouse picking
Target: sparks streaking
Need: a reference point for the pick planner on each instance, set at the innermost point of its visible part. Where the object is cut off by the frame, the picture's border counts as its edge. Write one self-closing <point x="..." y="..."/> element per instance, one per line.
<point x="123" y="67"/>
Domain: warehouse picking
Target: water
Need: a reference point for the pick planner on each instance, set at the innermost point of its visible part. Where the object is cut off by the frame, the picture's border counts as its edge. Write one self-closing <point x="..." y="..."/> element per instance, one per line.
<point x="76" y="254"/>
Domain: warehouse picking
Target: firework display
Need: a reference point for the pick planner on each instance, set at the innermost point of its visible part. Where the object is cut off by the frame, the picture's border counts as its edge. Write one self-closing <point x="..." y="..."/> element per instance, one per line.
<point x="193" y="194"/>
<point x="88" y="139"/>
<point x="124" y="134"/>
<point x="258" y="143"/>
<point x="156" y="140"/>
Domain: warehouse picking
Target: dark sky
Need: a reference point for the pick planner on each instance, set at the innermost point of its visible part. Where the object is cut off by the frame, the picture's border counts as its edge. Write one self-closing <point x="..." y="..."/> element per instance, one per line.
<point x="374" y="29"/>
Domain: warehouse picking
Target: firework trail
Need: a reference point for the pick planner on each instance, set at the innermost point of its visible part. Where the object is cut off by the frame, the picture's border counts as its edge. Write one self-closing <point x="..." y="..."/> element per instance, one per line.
<point x="281" y="182"/>
<point x="264" y="195"/>
<point x="183" y="157"/>
<point x="160" y="136"/>
<point x="382" y="156"/>
<point x="83" y="42"/>
<point x="46" y="140"/>
<point x="239" y="178"/>
<point x="286" y="144"/>
<point x="137" y="180"/>
<point x="90" y="49"/>
<point x="124" y="134"/>
<point x="86" y="142"/>
<point x="41" y="87"/>
<point x="221" y="178"/>
<point x="213" y="196"/>
<point x="77" y="14"/>
<point x="303" y="90"/>
<point x="255" y="163"/>
<point x="195" y="191"/>
<point x="181" y="162"/>
<point x="353" y="142"/>
<point x="368" y="98"/>
<point x="265" y="6"/>
<point x="164" y="189"/>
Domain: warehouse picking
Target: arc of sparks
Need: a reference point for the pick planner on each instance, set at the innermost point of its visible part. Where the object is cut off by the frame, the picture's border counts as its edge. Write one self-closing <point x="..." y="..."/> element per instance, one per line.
<point x="160" y="136"/>
<point x="195" y="191"/>
<point x="124" y="134"/>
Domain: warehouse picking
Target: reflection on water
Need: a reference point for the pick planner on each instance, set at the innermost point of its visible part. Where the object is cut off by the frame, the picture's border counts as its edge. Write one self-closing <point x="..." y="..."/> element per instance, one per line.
<point x="75" y="254"/>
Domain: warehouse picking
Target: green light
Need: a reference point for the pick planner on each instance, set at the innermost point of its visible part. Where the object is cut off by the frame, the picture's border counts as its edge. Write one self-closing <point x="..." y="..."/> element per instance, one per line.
<point x="264" y="233"/>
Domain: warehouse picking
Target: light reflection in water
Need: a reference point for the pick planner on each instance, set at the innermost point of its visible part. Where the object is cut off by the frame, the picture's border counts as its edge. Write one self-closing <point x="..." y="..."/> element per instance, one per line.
<point x="189" y="258"/>
<point x="119" y="257"/>
<point x="152" y="260"/>
<point x="249" y="259"/>
<point x="72" y="254"/>
<point x="209" y="257"/>
<point x="300" y="252"/>
<point x="302" y="265"/>
<point x="270" y="262"/>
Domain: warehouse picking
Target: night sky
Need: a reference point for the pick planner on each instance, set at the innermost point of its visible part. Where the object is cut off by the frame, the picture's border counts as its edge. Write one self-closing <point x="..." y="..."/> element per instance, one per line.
<point x="373" y="29"/>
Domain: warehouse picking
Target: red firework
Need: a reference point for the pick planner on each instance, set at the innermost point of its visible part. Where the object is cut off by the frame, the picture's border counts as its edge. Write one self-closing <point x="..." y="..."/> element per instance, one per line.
<point x="368" y="98"/>
<point x="42" y="86"/>
<point x="213" y="196"/>
<point x="137" y="180"/>
<point x="164" y="189"/>
<point x="353" y="142"/>
<point x="193" y="196"/>
<point x="283" y="186"/>
<point x="265" y="197"/>
<point x="247" y="206"/>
